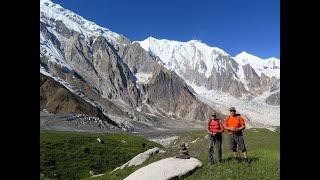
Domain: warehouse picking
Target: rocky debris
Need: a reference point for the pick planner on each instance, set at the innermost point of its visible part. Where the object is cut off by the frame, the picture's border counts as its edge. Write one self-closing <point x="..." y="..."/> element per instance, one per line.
<point x="183" y="153"/>
<point x="84" y="117"/>
<point x="140" y="158"/>
<point x="60" y="122"/>
<point x="93" y="123"/>
<point x="85" y="120"/>
<point x="165" y="169"/>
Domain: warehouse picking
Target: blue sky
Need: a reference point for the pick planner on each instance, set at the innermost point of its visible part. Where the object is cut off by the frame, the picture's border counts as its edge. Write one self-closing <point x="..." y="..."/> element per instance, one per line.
<point x="232" y="25"/>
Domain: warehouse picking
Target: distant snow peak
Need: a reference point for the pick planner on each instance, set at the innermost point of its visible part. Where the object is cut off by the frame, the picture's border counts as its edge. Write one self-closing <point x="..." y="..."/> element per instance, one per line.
<point x="244" y="53"/>
<point x="181" y="56"/>
<point x="270" y="67"/>
<point x="50" y="10"/>
<point x="246" y="56"/>
<point x="272" y="59"/>
<point x="195" y="41"/>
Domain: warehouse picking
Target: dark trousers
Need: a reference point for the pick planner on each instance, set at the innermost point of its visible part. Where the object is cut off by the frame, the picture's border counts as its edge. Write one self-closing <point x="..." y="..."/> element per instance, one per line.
<point x="216" y="141"/>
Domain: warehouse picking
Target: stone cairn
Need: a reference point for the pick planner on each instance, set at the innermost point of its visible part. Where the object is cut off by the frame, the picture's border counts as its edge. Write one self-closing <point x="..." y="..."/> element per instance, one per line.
<point x="183" y="153"/>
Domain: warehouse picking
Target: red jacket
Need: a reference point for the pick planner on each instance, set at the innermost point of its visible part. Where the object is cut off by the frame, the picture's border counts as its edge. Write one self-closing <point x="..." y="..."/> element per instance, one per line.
<point x="214" y="125"/>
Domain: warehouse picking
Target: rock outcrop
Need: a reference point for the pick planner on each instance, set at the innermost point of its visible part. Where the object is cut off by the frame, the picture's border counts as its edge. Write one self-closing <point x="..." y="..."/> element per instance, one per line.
<point x="274" y="99"/>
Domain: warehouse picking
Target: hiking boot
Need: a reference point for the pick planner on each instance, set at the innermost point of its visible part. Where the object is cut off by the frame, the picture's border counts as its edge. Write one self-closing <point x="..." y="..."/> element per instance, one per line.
<point x="246" y="160"/>
<point x="210" y="163"/>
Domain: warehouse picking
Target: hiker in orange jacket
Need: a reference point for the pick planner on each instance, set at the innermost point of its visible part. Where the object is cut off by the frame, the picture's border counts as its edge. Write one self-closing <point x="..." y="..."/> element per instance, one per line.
<point x="215" y="129"/>
<point x="235" y="124"/>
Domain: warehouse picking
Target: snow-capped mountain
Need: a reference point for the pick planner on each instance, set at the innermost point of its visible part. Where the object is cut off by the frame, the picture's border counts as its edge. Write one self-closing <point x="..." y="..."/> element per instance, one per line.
<point x="145" y="85"/>
<point x="270" y="67"/>
<point x="105" y="69"/>
<point x="74" y="22"/>
<point x="201" y="65"/>
<point x="253" y="82"/>
<point x="180" y="56"/>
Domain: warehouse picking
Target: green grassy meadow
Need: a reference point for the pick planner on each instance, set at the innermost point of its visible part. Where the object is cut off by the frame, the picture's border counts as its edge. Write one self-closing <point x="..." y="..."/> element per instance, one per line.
<point x="66" y="155"/>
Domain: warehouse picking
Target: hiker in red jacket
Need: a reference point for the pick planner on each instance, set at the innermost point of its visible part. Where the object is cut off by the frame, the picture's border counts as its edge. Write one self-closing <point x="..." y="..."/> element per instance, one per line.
<point x="215" y="129"/>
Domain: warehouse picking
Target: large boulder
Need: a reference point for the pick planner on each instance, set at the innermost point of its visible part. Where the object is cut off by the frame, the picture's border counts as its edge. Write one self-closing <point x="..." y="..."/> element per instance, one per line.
<point x="165" y="169"/>
<point x="140" y="158"/>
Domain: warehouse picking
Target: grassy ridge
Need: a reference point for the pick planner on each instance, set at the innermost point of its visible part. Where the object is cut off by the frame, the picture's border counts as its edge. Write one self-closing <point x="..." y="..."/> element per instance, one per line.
<point x="70" y="155"/>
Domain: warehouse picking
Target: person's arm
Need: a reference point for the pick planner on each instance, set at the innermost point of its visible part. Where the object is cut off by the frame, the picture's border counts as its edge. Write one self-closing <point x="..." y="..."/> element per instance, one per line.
<point x="225" y="125"/>
<point x="241" y="128"/>
<point x="207" y="127"/>
<point x="221" y="127"/>
<point x="243" y="125"/>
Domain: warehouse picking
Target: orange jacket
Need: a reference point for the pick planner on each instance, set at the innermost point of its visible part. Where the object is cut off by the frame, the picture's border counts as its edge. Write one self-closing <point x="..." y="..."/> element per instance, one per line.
<point x="233" y="121"/>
